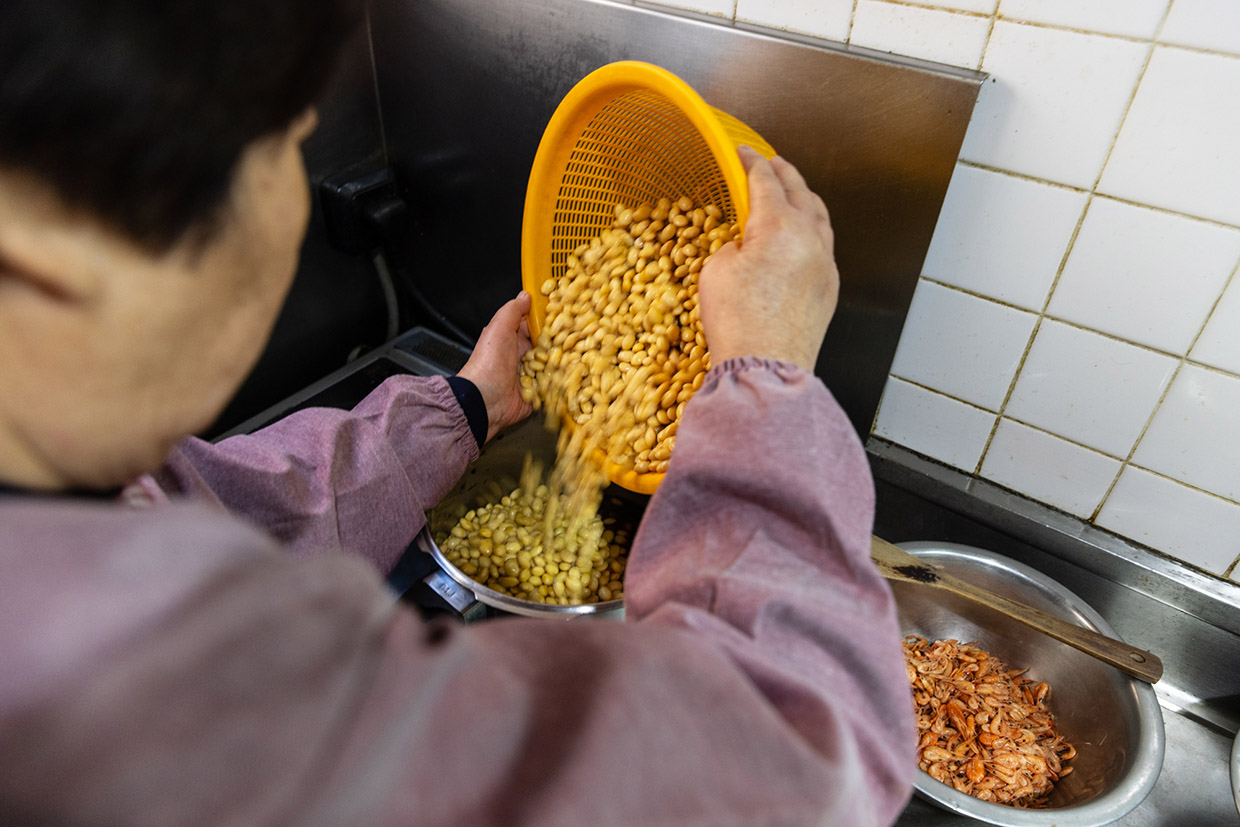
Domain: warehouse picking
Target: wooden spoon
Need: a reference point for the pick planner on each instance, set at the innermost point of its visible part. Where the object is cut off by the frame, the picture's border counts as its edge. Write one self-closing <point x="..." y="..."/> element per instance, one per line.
<point x="897" y="564"/>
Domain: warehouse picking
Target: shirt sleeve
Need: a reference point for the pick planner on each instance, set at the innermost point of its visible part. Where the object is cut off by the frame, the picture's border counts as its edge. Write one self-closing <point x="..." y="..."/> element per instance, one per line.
<point x="757" y="679"/>
<point x="759" y="535"/>
<point x="323" y="480"/>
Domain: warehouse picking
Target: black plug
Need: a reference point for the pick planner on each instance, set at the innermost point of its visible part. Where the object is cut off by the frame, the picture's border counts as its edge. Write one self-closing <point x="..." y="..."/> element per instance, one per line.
<point x="363" y="210"/>
<point x="365" y="213"/>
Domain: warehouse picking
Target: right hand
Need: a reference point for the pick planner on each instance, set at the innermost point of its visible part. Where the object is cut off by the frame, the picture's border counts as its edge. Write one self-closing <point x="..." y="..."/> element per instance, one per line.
<point x="773" y="294"/>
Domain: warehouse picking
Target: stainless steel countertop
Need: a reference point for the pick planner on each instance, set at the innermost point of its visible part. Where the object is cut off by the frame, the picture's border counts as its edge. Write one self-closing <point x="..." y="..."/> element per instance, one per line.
<point x="1193" y="789"/>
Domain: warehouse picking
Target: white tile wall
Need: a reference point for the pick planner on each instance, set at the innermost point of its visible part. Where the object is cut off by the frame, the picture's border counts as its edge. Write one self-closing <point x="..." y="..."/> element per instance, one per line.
<point x="1088" y="388"/>
<point x="1219" y="345"/>
<point x="1049" y="469"/>
<point x="1098" y="198"/>
<point x="1204" y="24"/>
<point x="1054" y="102"/>
<point x="720" y="8"/>
<point x="1194" y="526"/>
<point x="985" y="7"/>
<point x="933" y="424"/>
<point x="931" y="34"/>
<point x="1179" y="148"/>
<point x="1003" y="236"/>
<point x="1133" y="18"/>
<point x="1129" y="265"/>
<point x="962" y="345"/>
<point x="1193" y="437"/>
<point x="821" y="18"/>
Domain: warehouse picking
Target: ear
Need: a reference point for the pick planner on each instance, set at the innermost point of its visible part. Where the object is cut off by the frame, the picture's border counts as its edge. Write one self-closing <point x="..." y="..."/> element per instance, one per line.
<point x="45" y="246"/>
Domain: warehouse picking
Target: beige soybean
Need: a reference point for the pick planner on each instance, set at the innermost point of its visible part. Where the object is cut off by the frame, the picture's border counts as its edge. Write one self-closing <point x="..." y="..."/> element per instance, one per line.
<point x="560" y="557"/>
<point x="624" y="318"/>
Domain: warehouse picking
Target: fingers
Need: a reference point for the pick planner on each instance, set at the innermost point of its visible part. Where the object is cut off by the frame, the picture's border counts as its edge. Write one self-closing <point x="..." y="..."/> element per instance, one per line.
<point x="796" y="190"/>
<point x="804" y="200"/>
<point x="748" y="155"/>
<point x="766" y="193"/>
<point x="511" y="314"/>
<point x="788" y="175"/>
<point x="776" y="183"/>
<point x="518" y="308"/>
<point x="523" y="338"/>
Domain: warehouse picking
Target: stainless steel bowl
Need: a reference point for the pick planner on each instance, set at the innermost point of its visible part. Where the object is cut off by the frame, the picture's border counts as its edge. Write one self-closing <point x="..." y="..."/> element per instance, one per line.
<point x="1114" y="721"/>
<point x="495" y="473"/>
<point x="1235" y="771"/>
<point x="506" y="602"/>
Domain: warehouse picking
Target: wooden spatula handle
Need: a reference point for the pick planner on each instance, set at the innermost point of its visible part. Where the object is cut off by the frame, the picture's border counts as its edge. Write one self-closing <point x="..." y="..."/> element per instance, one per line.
<point x="897" y="564"/>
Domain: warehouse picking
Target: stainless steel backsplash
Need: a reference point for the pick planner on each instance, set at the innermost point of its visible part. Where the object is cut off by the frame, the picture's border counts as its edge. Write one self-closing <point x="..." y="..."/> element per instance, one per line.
<point x="466" y="88"/>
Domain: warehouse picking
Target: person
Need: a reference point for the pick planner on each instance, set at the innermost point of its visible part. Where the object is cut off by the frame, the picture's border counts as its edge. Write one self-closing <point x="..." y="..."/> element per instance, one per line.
<point x="196" y="633"/>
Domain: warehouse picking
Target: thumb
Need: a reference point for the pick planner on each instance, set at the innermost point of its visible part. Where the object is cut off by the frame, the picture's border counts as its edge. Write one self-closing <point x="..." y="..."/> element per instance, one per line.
<point x="510" y="315"/>
<point x="766" y="193"/>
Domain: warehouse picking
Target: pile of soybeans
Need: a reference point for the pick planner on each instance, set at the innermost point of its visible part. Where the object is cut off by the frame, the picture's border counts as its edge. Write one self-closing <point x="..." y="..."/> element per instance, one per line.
<point x="620" y="352"/>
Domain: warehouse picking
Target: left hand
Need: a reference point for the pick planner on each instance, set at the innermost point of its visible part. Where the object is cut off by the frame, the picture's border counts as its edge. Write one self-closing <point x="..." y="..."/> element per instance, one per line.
<point x="495" y="363"/>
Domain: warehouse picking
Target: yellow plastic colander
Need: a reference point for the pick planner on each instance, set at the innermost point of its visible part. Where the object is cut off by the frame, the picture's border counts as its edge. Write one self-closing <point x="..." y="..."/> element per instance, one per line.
<point x="629" y="132"/>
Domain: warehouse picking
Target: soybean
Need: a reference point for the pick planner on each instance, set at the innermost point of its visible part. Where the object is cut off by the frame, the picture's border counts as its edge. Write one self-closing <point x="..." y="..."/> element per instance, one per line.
<point x="625" y="314"/>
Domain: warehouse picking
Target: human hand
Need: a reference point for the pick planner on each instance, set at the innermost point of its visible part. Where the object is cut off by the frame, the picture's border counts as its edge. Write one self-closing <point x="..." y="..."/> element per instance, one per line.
<point x="493" y="366"/>
<point x="773" y="294"/>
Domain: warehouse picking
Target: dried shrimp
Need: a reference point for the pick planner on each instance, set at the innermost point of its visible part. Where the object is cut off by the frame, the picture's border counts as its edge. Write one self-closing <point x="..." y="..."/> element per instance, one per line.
<point x="983" y="728"/>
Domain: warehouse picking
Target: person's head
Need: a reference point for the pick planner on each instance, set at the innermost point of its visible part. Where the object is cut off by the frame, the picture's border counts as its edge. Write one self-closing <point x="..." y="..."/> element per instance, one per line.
<point x="152" y="205"/>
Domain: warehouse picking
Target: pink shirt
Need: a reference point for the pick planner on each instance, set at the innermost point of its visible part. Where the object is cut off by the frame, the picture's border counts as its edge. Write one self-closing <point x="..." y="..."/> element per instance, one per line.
<point x="216" y="659"/>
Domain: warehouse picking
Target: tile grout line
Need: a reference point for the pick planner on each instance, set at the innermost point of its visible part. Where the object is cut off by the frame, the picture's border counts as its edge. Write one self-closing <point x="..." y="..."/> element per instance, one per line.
<point x="923" y="7"/>
<point x="1037" y="326"/>
<point x="1136" y="87"/>
<point x="938" y="392"/>
<point x="928" y="389"/>
<point x="1234" y="277"/>
<point x="1023" y="176"/>
<point x="1102" y="333"/>
<point x="990" y="438"/>
<point x="935" y="392"/>
<point x="993" y="16"/>
<point x="1038" y="24"/>
<point x="990" y="30"/>
<point x="981" y="457"/>
<point x="1082" y="446"/>
<point x="1033" y="179"/>
<point x="1194" y="488"/>
<point x="852" y="19"/>
<point x="1127" y="463"/>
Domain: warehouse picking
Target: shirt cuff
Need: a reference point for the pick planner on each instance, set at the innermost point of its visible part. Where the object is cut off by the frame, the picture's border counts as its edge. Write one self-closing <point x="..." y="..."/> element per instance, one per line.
<point x="472" y="405"/>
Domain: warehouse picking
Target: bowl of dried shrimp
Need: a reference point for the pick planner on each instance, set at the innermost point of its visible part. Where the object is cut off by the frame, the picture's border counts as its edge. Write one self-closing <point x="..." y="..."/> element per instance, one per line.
<point x="1015" y="728"/>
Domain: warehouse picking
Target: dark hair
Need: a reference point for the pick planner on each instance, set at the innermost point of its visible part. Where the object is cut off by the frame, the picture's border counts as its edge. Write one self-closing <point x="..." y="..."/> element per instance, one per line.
<point x="139" y="110"/>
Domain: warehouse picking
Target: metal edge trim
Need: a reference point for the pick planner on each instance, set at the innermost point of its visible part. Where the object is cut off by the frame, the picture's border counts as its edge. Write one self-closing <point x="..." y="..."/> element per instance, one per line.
<point x="805" y="39"/>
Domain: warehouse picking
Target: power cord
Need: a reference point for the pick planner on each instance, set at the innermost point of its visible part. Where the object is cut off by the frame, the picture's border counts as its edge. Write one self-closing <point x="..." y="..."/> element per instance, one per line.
<point x="365" y="213"/>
